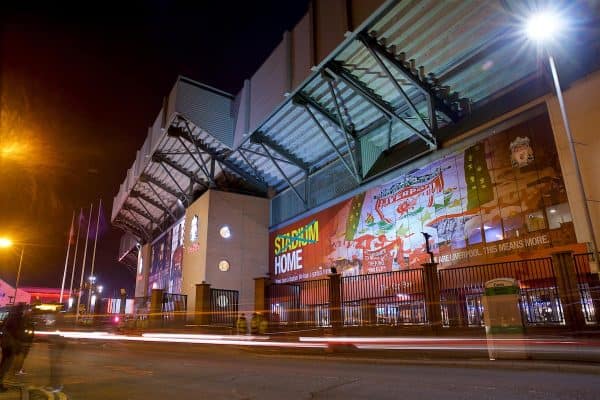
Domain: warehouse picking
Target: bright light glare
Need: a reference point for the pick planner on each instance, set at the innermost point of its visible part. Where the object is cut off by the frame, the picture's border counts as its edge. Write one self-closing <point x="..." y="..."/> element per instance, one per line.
<point x="543" y="26"/>
<point x="5" y="242"/>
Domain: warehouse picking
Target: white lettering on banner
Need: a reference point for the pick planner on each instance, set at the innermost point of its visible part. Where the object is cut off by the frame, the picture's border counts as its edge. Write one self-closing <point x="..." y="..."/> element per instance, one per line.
<point x="287" y="262"/>
<point x="497" y="248"/>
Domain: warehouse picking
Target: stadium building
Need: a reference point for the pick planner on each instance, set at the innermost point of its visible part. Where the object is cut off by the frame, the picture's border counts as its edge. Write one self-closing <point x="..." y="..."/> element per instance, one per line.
<point x="374" y="133"/>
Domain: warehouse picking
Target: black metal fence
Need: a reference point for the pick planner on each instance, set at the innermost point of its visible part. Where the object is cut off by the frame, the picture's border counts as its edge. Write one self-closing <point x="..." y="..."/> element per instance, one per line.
<point x="461" y="291"/>
<point x="589" y="286"/>
<point x="223" y="306"/>
<point x="388" y="298"/>
<point x="398" y="298"/>
<point x="174" y="307"/>
<point x="305" y="303"/>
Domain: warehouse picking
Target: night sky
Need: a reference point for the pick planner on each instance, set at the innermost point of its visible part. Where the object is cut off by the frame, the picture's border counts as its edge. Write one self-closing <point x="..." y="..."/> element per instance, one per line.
<point x="81" y="83"/>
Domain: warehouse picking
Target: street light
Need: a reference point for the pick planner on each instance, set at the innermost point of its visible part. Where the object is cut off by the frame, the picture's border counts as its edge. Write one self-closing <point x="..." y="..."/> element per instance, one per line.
<point x="7" y="243"/>
<point x="543" y="27"/>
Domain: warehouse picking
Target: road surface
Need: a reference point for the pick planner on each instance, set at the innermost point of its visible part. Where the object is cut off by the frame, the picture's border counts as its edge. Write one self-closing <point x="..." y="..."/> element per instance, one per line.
<point x="148" y="371"/>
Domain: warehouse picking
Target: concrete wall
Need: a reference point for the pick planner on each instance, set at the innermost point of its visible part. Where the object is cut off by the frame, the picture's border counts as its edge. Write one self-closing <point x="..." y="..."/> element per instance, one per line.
<point x="246" y="250"/>
<point x="141" y="279"/>
<point x="582" y="100"/>
<point x="194" y="253"/>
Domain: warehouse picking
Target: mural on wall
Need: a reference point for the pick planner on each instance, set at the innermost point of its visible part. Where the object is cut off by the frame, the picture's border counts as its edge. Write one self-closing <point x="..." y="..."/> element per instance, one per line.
<point x="167" y="252"/>
<point x="160" y="266"/>
<point x="500" y="196"/>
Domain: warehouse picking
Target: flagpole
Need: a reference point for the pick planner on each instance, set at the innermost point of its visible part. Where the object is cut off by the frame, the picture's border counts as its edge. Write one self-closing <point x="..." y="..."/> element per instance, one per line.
<point x="62" y="286"/>
<point x="75" y="255"/>
<point x="94" y="253"/>
<point x="83" y="264"/>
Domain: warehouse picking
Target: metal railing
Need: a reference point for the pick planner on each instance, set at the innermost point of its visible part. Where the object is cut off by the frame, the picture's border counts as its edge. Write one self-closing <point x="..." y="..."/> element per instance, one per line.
<point x="223" y="306"/>
<point x="305" y="303"/>
<point x="589" y="286"/>
<point x="461" y="291"/>
<point x="174" y="307"/>
<point x="388" y="298"/>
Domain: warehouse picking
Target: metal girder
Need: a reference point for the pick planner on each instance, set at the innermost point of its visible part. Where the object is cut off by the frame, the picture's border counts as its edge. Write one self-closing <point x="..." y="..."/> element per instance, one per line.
<point x="331" y="142"/>
<point x="147" y="179"/>
<point x="129" y="225"/>
<point x="142" y="213"/>
<point x="424" y="87"/>
<point x="396" y="84"/>
<point x="258" y="153"/>
<point x="147" y="199"/>
<point x="301" y="98"/>
<point x="201" y="164"/>
<point x="289" y="182"/>
<point x="161" y="158"/>
<point x="377" y="101"/>
<point x="222" y="158"/>
<point x="183" y="192"/>
<point x="247" y="161"/>
<point x="334" y="95"/>
<point x="260" y="138"/>
<point x="150" y="182"/>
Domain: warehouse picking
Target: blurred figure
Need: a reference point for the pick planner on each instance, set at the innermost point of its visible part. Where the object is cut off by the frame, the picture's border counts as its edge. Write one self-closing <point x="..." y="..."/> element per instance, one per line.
<point x="56" y="347"/>
<point x="25" y="341"/>
<point x="254" y="321"/>
<point x="242" y="325"/>
<point x="12" y="332"/>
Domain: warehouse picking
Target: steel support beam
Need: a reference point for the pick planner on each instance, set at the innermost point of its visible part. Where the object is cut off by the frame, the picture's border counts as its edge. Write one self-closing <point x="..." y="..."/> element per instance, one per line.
<point x="139" y="212"/>
<point x="129" y="225"/>
<point x="147" y="199"/>
<point x="145" y="178"/>
<point x="258" y="153"/>
<point x="145" y="208"/>
<point x="378" y="102"/>
<point x="424" y="87"/>
<point x="161" y="158"/>
<point x="248" y="162"/>
<point x="222" y="158"/>
<point x="201" y="164"/>
<point x="150" y="184"/>
<point x="396" y="84"/>
<point x="331" y="142"/>
<point x="284" y="175"/>
<point x="261" y="138"/>
<point x="354" y="159"/>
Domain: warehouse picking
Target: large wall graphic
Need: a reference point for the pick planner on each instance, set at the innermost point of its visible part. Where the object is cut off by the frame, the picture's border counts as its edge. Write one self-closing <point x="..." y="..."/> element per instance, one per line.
<point x="501" y="197"/>
<point x="167" y="252"/>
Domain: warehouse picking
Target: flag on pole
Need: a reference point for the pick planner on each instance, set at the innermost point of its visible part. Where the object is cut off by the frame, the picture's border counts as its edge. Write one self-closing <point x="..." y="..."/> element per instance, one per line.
<point x="72" y="234"/>
<point x="101" y="224"/>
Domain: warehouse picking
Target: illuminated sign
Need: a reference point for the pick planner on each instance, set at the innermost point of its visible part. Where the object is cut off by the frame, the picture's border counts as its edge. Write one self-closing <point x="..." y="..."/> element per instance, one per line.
<point x="288" y="247"/>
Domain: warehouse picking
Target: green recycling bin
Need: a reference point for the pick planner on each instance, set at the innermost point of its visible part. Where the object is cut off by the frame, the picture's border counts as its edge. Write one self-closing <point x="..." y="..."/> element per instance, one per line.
<point x="504" y="327"/>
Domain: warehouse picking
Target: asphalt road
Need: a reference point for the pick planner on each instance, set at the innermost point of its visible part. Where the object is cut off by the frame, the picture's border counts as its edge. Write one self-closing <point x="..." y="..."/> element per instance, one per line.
<point x="147" y="371"/>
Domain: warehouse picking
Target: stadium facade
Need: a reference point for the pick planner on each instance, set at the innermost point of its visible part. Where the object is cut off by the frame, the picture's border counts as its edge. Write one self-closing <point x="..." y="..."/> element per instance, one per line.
<point x="370" y="128"/>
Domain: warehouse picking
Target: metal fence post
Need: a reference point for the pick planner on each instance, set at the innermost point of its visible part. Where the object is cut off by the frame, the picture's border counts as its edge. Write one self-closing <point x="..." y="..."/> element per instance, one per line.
<point x="335" y="300"/>
<point x="261" y="302"/>
<point x="156" y="302"/>
<point x="431" y="284"/>
<point x="202" y="310"/>
<point x="568" y="291"/>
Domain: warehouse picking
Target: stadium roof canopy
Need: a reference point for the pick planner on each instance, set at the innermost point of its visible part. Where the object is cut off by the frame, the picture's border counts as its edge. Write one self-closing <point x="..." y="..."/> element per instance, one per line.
<point x="411" y="76"/>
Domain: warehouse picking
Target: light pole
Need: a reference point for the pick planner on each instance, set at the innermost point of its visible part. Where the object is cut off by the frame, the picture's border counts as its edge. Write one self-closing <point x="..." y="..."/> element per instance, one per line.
<point x="5" y="243"/>
<point x="542" y="28"/>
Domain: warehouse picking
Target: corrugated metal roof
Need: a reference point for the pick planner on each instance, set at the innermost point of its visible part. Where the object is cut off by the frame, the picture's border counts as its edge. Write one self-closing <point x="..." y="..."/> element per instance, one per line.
<point x="372" y="93"/>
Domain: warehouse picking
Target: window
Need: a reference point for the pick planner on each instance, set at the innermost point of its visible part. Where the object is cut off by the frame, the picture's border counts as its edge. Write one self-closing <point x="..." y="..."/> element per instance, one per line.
<point x="224" y="265"/>
<point x="194" y="229"/>
<point x="225" y="232"/>
<point x="558" y="215"/>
